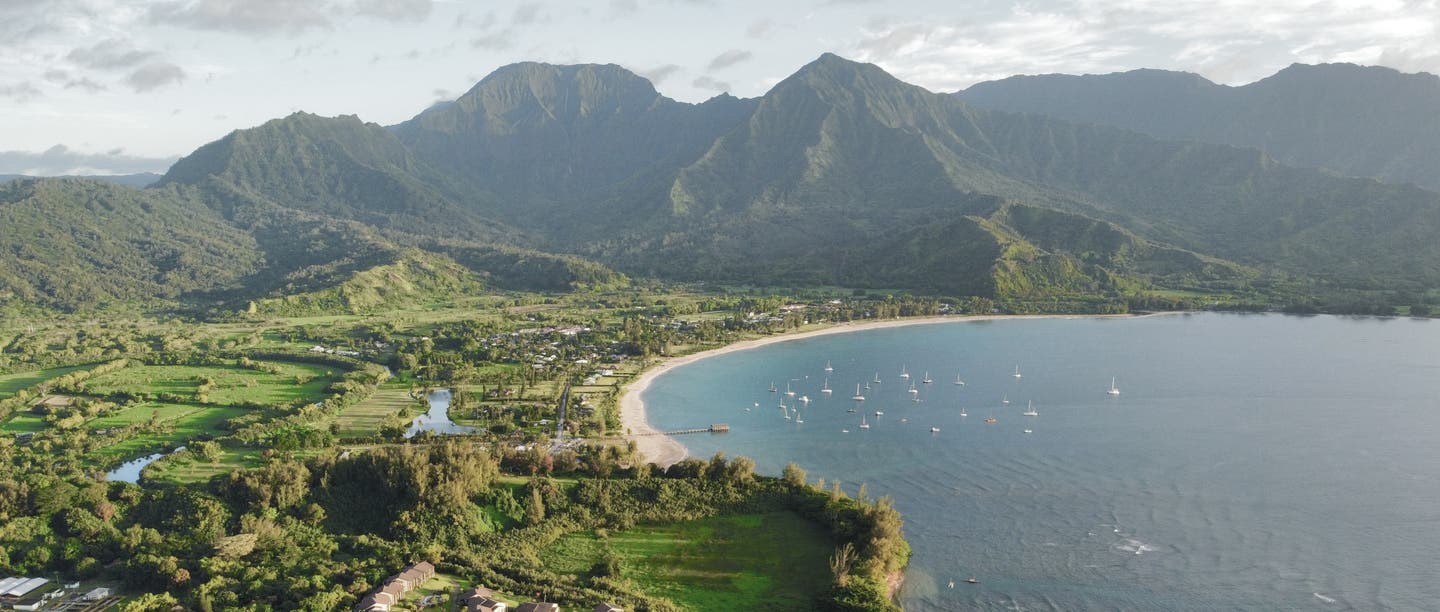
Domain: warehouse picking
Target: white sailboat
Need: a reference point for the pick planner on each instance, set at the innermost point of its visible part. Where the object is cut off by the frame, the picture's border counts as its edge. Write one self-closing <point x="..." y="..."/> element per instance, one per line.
<point x="879" y="413"/>
<point x="1017" y="371"/>
<point x="877" y="378"/>
<point x="826" y="387"/>
<point x="962" y="412"/>
<point x="912" y="389"/>
<point x="934" y="430"/>
<point x="772" y="387"/>
<point x="804" y="399"/>
<point x="1005" y="399"/>
<point x="863" y="424"/>
<point x="903" y="373"/>
<point x="798" y="420"/>
<point x="1113" y="389"/>
<point x="789" y="391"/>
<point x="827" y="367"/>
<point x="1030" y="411"/>
<point x="927" y="380"/>
<point x="958" y="382"/>
<point x="857" y="397"/>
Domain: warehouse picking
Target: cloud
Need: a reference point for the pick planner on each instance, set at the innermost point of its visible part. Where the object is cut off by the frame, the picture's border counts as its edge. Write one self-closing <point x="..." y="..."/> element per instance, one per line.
<point x="68" y="80"/>
<point x="61" y="160"/>
<point x="395" y="10"/>
<point x="495" y="41"/>
<point x="706" y="82"/>
<point x="24" y="91"/>
<point x="529" y="13"/>
<point x="154" y="76"/>
<point x="727" y="59"/>
<point x="1230" y="41"/>
<point x="109" y="54"/>
<point x="658" y="74"/>
<point x="261" y="17"/>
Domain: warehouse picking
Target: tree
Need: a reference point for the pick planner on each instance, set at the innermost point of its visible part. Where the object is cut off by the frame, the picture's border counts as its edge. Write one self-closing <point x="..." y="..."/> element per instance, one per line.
<point x="535" y="507"/>
<point x="793" y="475"/>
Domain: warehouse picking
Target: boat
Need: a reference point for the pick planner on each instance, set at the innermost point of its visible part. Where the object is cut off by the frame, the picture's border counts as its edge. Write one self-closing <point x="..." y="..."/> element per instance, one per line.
<point x="879" y="413"/>
<point x="990" y="421"/>
<point x="903" y="373"/>
<point x="844" y="431"/>
<point x="934" y="430"/>
<point x="772" y="387"/>
<point x="828" y="368"/>
<point x="850" y="410"/>
<point x="1017" y="371"/>
<point x="913" y="390"/>
<point x="927" y="380"/>
<point x="857" y="397"/>
<point x="787" y="412"/>
<point x="958" y="382"/>
<point x="826" y="388"/>
<point x="962" y="413"/>
<point x="1113" y="390"/>
<point x="863" y="424"/>
<point x="804" y="399"/>
<point x="903" y="420"/>
<point x="1030" y="410"/>
<point x="916" y="399"/>
<point x="1029" y="431"/>
<point x="1005" y="399"/>
<point x="972" y="581"/>
<point x="788" y="391"/>
<point x="798" y="420"/>
<point x="877" y="378"/>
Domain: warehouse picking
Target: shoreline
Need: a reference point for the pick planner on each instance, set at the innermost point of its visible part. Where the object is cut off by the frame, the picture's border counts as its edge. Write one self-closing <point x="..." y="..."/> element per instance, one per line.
<point x="665" y="450"/>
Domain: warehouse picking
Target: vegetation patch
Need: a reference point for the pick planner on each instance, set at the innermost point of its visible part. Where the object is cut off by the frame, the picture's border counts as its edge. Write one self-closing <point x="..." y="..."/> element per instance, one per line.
<point x="771" y="561"/>
<point x="277" y="382"/>
<point x="11" y="383"/>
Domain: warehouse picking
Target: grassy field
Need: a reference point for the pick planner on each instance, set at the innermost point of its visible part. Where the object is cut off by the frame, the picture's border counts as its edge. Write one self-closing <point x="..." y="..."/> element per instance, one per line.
<point x="184" y="471"/>
<point x="774" y="561"/>
<point x="364" y="418"/>
<point x="233" y="384"/>
<point x="186" y="421"/>
<point x="10" y="383"/>
<point x="22" y="423"/>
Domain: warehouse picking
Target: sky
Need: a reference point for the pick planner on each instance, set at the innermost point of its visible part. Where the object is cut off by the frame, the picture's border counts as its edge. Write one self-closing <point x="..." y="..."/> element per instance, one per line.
<point x="112" y="87"/>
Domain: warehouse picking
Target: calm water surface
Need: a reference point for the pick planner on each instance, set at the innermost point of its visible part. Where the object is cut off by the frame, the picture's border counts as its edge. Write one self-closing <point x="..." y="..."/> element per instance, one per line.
<point x="1250" y="462"/>
<point x="437" y="419"/>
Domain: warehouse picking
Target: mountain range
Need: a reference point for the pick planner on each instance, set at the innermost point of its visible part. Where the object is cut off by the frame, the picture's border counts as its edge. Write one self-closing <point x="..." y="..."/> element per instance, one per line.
<point x="552" y="177"/>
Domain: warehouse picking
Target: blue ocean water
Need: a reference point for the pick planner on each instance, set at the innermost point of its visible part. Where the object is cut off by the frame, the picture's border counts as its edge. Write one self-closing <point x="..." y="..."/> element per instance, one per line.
<point x="1259" y="462"/>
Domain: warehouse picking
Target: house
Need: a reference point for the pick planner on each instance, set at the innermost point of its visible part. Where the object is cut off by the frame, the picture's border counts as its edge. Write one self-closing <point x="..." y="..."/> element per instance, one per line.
<point x="97" y="594"/>
<point x="607" y="607"/>
<point x="485" y="604"/>
<point x="395" y="587"/>
<point x="538" y="607"/>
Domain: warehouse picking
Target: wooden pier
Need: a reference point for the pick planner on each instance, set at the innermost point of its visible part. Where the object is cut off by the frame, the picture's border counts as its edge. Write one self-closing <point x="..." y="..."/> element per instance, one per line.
<point x="716" y="428"/>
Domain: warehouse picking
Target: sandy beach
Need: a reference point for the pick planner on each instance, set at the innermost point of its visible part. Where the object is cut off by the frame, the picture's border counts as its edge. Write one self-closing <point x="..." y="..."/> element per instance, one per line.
<point x="665" y="450"/>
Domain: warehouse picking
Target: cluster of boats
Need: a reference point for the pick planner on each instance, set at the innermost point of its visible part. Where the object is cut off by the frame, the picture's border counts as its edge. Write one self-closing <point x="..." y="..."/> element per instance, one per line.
<point x="792" y="411"/>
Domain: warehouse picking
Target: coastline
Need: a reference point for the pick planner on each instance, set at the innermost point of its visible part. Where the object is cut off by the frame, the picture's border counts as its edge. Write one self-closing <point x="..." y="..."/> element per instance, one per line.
<point x="665" y="450"/>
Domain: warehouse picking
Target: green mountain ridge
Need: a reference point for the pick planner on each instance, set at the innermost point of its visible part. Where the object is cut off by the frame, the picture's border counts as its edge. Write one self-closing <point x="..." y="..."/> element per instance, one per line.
<point x="1355" y="120"/>
<point x="559" y="178"/>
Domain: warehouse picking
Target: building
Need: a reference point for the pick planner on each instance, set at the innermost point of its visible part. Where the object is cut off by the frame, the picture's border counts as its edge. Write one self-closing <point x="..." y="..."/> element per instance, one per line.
<point x="97" y="594"/>
<point x="607" y="607"/>
<point x="395" y="587"/>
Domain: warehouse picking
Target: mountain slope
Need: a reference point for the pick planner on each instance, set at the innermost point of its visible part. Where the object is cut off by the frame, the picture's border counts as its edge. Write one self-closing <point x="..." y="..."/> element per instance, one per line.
<point x="1358" y="121"/>
<point x="543" y="140"/>
<point x="339" y="167"/>
<point x="75" y="244"/>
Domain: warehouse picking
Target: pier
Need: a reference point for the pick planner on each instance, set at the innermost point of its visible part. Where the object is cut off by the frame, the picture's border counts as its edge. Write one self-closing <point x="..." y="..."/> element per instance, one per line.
<point x="716" y="428"/>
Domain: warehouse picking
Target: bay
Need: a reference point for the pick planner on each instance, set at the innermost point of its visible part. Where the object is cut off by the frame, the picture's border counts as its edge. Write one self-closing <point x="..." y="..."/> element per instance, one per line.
<point x="1250" y="461"/>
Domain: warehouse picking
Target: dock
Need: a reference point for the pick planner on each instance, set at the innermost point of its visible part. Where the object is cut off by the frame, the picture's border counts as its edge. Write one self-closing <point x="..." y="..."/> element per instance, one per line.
<point x="715" y="428"/>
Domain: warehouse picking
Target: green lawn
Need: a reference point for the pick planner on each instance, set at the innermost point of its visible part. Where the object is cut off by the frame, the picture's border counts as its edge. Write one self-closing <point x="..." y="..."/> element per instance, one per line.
<point x="773" y="561"/>
<point x="233" y="384"/>
<point x="10" y="383"/>
<point x="178" y="470"/>
<point x="23" y="422"/>
<point x="188" y="421"/>
<point x="364" y="419"/>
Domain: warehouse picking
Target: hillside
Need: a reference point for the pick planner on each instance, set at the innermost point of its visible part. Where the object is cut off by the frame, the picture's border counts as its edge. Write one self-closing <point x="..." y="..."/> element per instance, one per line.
<point x="557" y="178"/>
<point x="1354" y="120"/>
